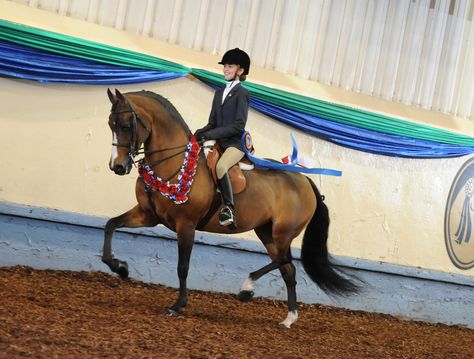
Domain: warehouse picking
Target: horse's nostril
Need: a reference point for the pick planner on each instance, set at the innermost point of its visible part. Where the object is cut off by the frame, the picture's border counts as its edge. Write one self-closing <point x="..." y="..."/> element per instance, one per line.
<point x="119" y="170"/>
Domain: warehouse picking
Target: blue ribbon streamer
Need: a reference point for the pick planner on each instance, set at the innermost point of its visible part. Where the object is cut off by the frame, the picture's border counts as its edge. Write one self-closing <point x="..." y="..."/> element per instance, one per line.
<point x="260" y="162"/>
<point x="294" y="154"/>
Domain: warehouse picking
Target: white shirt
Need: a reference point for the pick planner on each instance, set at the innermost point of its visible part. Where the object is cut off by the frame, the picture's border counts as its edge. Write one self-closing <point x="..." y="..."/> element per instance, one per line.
<point x="229" y="86"/>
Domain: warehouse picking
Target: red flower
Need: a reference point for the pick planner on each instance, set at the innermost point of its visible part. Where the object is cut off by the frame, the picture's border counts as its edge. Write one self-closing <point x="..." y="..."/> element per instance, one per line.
<point x="183" y="187"/>
<point x="180" y="197"/>
<point x="186" y="177"/>
<point x="146" y="177"/>
<point x="176" y="191"/>
<point x="163" y="187"/>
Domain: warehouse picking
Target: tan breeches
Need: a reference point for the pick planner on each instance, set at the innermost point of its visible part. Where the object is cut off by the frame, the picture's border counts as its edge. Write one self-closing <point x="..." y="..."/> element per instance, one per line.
<point x="230" y="157"/>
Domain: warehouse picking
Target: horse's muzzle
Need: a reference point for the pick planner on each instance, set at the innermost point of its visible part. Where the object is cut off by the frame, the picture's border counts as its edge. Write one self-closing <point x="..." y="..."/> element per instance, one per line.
<point x="121" y="170"/>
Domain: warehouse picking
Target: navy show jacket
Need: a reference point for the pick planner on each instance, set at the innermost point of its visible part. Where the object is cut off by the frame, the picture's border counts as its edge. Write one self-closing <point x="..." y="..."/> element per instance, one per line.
<point x="228" y="119"/>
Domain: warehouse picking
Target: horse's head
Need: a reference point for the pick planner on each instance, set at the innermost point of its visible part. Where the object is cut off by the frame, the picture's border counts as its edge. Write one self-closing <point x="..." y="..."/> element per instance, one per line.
<point x="129" y="132"/>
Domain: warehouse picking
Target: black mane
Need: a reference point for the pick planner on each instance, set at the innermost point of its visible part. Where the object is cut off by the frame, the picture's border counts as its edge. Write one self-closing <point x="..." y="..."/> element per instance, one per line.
<point x="167" y="105"/>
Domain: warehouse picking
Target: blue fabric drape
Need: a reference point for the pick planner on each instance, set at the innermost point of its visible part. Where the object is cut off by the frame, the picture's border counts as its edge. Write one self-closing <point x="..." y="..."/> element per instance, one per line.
<point x="28" y="63"/>
<point x="31" y="64"/>
<point x="358" y="138"/>
<point x="361" y="139"/>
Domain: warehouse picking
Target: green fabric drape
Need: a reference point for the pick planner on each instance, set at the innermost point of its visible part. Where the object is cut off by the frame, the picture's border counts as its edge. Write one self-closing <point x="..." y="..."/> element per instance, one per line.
<point x="343" y="114"/>
<point x="73" y="46"/>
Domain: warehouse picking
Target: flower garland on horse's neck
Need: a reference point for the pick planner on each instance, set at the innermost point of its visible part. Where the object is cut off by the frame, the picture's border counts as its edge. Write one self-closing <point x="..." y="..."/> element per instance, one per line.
<point x="177" y="192"/>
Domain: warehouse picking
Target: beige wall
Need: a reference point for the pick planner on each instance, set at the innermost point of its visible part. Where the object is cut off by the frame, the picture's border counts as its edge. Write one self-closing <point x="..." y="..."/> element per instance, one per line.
<point x="56" y="145"/>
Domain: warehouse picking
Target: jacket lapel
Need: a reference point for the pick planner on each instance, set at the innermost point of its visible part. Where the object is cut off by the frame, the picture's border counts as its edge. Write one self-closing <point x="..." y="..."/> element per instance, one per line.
<point x="231" y="93"/>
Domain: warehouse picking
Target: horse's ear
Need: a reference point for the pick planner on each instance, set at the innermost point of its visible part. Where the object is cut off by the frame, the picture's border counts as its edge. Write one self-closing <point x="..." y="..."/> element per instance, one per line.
<point x="112" y="97"/>
<point x="119" y="95"/>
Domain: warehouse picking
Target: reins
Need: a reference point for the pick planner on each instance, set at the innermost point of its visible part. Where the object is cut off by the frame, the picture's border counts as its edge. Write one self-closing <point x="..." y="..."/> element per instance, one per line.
<point x="141" y="151"/>
<point x="165" y="159"/>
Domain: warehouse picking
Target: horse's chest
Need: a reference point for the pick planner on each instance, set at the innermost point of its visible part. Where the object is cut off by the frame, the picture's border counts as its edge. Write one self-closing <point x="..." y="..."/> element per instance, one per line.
<point x="169" y="222"/>
<point x="167" y="217"/>
<point x="159" y="207"/>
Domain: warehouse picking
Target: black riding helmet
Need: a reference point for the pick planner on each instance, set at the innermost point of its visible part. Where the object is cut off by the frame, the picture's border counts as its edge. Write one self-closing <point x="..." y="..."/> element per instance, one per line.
<point x="237" y="57"/>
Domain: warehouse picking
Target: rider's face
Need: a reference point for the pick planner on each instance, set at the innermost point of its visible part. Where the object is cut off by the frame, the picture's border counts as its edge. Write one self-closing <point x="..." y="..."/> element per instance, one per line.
<point x="231" y="70"/>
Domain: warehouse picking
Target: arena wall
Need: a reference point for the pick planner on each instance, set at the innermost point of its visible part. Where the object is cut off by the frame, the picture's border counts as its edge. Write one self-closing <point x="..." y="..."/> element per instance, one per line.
<point x="387" y="213"/>
<point x="57" y="145"/>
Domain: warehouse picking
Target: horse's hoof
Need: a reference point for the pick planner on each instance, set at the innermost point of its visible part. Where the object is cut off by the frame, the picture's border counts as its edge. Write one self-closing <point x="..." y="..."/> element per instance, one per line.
<point x="291" y="318"/>
<point x="117" y="266"/>
<point x="246" y="295"/>
<point x="284" y="325"/>
<point x="170" y="312"/>
<point x="122" y="269"/>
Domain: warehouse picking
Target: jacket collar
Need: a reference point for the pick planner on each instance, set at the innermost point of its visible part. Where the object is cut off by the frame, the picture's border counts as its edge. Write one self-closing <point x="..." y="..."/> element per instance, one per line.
<point x="231" y="93"/>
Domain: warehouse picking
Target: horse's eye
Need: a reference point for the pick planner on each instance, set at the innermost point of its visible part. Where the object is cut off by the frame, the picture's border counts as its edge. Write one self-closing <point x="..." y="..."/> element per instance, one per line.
<point x="125" y="127"/>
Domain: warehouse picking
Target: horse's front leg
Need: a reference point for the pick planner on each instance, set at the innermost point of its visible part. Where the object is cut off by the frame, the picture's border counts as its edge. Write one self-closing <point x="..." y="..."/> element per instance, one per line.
<point x="185" y="234"/>
<point x="136" y="217"/>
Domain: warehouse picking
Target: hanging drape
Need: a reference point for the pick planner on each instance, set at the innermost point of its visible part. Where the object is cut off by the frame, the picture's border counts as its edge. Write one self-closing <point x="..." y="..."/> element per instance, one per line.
<point x="44" y="56"/>
<point x="83" y="49"/>
<point x="342" y="114"/>
<point x="37" y="65"/>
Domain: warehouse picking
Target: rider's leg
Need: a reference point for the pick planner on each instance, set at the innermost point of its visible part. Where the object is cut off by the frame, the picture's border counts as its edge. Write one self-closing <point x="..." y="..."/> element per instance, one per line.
<point x="230" y="157"/>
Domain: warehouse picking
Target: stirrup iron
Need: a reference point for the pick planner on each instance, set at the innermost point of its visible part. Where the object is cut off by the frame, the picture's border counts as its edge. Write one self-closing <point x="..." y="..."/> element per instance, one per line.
<point x="227" y="218"/>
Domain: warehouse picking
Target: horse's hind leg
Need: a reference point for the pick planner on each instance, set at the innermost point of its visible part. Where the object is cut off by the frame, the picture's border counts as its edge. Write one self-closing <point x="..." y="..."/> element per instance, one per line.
<point x="288" y="272"/>
<point x="279" y="252"/>
<point x="265" y="234"/>
<point x="136" y="217"/>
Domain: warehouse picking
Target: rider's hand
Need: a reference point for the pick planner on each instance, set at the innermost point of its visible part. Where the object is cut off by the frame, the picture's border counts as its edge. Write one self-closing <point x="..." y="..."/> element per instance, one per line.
<point x="198" y="132"/>
<point x="201" y="137"/>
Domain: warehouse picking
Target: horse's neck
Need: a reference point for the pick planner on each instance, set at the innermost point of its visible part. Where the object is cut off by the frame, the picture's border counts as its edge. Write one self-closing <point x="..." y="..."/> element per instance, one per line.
<point x="163" y="143"/>
<point x="161" y="140"/>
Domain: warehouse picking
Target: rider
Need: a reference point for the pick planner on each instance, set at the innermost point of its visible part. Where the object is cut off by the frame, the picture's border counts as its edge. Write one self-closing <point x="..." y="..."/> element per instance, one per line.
<point x="227" y="124"/>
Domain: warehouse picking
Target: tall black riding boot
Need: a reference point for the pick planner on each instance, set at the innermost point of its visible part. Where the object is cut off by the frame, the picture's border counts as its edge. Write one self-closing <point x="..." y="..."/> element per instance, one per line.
<point x="227" y="215"/>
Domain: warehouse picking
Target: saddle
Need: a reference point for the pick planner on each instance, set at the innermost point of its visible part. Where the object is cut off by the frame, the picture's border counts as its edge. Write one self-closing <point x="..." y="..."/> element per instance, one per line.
<point x="213" y="152"/>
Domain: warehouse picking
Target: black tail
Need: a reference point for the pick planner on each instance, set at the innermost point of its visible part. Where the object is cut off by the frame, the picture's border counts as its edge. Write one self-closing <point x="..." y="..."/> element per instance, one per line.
<point x="315" y="256"/>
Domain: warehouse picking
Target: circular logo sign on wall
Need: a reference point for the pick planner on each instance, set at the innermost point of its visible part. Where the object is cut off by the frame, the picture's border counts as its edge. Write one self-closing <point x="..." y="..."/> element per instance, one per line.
<point x="459" y="218"/>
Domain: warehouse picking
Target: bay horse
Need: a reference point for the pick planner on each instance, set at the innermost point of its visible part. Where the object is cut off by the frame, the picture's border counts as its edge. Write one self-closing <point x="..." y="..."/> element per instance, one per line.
<point x="288" y="202"/>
